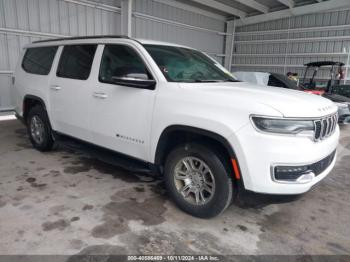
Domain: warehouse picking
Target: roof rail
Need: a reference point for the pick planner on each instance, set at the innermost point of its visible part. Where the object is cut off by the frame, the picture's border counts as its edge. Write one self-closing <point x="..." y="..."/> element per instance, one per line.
<point x="324" y="63"/>
<point x="82" y="37"/>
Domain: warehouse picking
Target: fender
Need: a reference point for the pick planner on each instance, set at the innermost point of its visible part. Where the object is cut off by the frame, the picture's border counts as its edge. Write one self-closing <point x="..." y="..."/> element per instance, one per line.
<point x="194" y="130"/>
<point x="35" y="98"/>
<point x="32" y="97"/>
<point x="163" y="140"/>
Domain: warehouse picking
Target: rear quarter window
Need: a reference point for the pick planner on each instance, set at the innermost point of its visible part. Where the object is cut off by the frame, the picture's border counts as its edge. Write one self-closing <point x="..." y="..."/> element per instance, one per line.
<point x="38" y="60"/>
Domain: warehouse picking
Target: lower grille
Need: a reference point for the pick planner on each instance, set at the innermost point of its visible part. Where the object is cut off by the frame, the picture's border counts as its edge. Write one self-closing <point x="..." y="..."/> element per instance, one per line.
<point x="292" y="173"/>
<point x="322" y="165"/>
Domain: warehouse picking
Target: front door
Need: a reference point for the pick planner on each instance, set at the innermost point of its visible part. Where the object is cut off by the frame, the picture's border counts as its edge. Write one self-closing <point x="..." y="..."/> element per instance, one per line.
<point x="122" y="115"/>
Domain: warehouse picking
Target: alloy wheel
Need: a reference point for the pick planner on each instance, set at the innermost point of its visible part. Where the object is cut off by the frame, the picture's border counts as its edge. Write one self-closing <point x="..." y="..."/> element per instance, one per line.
<point x="194" y="180"/>
<point x="37" y="129"/>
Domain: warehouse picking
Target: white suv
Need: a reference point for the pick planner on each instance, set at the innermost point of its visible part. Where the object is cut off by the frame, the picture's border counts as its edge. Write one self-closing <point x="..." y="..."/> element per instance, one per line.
<point x="174" y="110"/>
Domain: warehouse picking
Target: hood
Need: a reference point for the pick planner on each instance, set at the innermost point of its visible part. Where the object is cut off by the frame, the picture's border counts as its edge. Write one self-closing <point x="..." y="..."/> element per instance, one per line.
<point x="289" y="103"/>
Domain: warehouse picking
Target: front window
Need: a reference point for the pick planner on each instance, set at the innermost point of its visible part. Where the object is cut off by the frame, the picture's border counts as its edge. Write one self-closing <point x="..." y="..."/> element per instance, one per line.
<point x="180" y="64"/>
<point x="121" y="61"/>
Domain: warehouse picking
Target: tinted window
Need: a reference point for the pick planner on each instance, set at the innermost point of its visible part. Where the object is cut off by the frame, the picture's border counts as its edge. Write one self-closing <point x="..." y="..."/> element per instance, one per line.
<point x="121" y="61"/>
<point x="76" y="61"/>
<point x="39" y="60"/>
<point x="273" y="81"/>
<point x="280" y="80"/>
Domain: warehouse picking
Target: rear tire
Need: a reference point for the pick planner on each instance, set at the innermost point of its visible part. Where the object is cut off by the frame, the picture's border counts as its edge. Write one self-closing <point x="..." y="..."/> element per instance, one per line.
<point x="39" y="129"/>
<point x="198" y="181"/>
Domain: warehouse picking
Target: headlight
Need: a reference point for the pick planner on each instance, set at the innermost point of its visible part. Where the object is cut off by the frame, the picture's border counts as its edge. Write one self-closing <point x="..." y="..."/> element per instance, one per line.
<point x="283" y="126"/>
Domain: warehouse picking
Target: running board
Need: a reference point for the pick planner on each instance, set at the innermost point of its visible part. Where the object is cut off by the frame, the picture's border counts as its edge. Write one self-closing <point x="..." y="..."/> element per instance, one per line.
<point x="106" y="155"/>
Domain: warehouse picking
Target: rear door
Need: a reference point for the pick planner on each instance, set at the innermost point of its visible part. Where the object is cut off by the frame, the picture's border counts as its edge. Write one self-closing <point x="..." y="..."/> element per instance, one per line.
<point x="70" y="91"/>
<point x="32" y="74"/>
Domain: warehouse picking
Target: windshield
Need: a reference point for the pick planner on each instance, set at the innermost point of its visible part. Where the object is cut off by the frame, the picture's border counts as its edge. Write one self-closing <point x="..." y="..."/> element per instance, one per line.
<point x="180" y="64"/>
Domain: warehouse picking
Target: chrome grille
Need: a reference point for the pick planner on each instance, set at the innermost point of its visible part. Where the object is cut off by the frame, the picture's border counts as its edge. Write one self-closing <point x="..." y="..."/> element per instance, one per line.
<point x="325" y="127"/>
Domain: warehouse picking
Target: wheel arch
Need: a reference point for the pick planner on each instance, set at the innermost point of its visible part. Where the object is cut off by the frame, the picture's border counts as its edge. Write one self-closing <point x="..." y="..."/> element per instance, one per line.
<point x="29" y="101"/>
<point x="179" y="134"/>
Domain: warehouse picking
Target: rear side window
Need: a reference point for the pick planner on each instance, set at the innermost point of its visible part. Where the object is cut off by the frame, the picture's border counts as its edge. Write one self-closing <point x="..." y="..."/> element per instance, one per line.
<point x="76" y="61"/>
<point x="39" y="60"/>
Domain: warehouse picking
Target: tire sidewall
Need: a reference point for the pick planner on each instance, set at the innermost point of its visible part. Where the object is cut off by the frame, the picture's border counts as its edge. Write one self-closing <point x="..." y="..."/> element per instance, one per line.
<point x="223" y="183"/>
<point x="47" y="141"/>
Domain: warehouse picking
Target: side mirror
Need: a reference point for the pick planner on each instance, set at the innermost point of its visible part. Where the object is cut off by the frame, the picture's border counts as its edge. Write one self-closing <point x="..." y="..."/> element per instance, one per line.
<point x="137" y="75"/>
<point x="135" y="82"/>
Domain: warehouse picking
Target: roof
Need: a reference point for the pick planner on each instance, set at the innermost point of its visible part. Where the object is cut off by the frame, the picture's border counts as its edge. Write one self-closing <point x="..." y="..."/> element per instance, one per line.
<point x="106" y="37"/>
<point x="324" y="63"/>
<point x="81" y="38"/>
<point x="154" y="42"/>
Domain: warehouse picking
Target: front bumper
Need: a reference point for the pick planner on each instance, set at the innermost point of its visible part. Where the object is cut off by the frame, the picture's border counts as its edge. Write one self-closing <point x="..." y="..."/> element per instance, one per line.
<point x="258" y="153"/>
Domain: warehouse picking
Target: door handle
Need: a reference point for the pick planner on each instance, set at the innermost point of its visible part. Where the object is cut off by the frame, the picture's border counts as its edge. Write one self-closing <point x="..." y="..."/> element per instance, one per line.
<point x="100" y="95"/>
<point x="55" y="87"/>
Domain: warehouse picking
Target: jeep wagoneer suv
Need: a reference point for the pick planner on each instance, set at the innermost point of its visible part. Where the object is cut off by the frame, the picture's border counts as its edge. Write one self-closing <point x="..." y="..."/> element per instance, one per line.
<point x="175" y="111"/>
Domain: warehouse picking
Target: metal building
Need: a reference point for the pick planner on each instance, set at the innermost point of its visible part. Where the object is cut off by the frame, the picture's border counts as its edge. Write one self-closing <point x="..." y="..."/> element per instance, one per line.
<point x="287" y="44"/>
<point x="268" y="35"/>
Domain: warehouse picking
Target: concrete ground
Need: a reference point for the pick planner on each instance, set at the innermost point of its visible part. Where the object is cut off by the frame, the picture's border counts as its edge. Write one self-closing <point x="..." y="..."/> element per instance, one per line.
<point x="66" y="203"/>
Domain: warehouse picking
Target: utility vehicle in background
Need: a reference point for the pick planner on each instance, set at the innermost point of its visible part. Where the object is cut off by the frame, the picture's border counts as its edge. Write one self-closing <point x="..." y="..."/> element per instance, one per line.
<point x="333" y="85"/>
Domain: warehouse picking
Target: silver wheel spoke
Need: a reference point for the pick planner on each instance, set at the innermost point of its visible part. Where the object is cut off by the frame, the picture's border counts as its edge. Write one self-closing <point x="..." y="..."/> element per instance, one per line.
<point x="193" y="166"/>
<point x="210" y="184"/>
<point x="200" y="167"/>
<point x="207" y="188"/>
<point x="197" y="196"/>
<point x="187" y="165"/>
<point x="37" y="129"/>
<point x="186" y="190"/>
<point x="202" y="196"/>
<point x="181" y="175"/>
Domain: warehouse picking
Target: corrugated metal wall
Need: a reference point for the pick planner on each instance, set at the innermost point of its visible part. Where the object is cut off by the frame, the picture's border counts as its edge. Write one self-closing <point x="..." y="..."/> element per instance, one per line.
<point x="24" y="21"/>
<point x="178" y="26"/>
<point x="286" y="44"/>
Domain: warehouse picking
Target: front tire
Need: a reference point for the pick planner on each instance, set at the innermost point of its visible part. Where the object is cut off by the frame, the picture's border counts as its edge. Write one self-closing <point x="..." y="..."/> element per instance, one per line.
<point x="198" y="181"/>
<point x="39" y="129"/>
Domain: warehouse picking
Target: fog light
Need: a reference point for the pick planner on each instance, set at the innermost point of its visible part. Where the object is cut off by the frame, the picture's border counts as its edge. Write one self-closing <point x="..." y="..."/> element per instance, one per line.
<point x="289" y="173"/>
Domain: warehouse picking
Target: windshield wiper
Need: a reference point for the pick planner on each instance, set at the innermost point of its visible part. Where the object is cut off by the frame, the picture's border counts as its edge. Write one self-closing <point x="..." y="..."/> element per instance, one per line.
<point x="206" y="80"/>
<point x="215" y="81"/>
<point x="231" y="80"/>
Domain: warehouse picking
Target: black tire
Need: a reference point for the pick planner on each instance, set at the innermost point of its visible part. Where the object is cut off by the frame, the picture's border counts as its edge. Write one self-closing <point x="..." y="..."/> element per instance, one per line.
<point x="222" y="196"/>
<point x="47" y="142"/>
